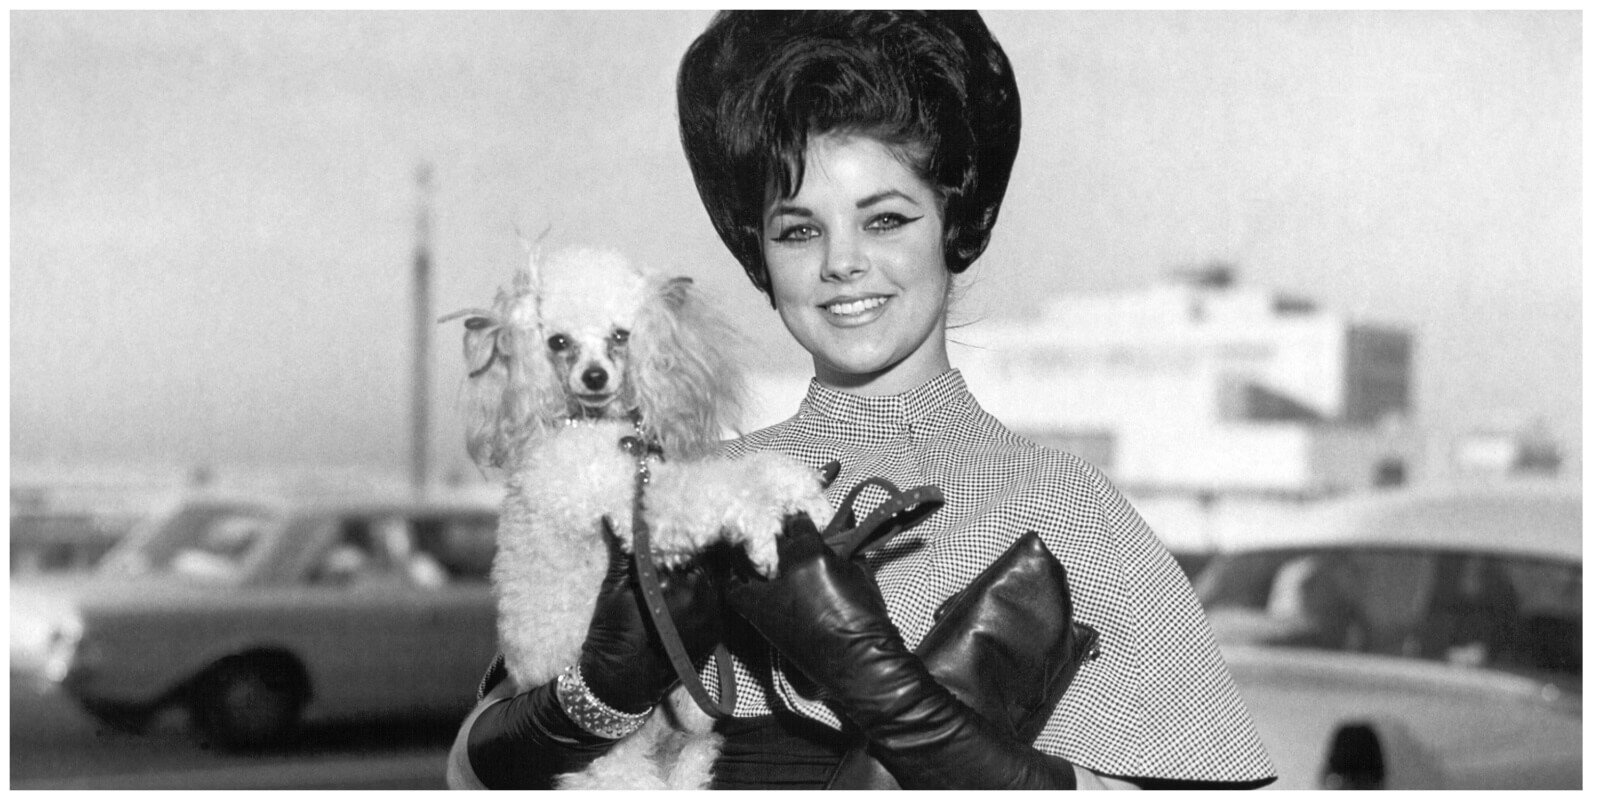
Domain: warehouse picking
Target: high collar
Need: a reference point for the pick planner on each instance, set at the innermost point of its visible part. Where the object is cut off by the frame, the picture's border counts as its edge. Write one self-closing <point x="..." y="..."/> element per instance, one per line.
<point x="912" y="409"/>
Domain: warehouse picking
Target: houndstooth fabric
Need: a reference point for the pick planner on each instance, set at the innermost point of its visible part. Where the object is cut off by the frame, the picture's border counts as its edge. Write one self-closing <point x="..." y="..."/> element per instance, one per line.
<point x="1157" y="703"/>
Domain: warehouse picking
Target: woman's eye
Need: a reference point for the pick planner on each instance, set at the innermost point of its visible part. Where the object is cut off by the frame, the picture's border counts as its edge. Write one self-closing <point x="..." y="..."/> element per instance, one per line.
<point x="558" y="343"/>
<point x="796" y="233"/>
<point x="890" y="221"/>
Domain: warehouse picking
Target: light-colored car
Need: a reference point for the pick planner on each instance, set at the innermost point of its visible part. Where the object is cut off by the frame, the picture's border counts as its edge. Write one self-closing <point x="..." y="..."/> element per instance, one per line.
<point x="1411" y="639"/>
<point x="257" y="616"/>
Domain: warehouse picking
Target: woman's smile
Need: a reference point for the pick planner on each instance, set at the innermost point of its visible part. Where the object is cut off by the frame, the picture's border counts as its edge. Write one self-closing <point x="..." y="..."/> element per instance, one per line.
<point x="856" y="312"/>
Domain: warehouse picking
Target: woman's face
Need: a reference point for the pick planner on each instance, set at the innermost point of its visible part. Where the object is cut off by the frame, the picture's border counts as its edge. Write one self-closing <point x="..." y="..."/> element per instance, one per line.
<point x="856" y="260"/>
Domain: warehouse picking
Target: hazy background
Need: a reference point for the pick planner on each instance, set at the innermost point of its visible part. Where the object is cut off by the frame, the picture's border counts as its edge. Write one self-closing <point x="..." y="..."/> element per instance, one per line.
<point x="212" y="214"/>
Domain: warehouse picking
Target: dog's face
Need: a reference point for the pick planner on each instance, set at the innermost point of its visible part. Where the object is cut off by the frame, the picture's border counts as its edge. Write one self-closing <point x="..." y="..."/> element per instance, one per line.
<point x="588" y="311"/>
<point x="592" y="363"/>
<point x="581" y="334"/>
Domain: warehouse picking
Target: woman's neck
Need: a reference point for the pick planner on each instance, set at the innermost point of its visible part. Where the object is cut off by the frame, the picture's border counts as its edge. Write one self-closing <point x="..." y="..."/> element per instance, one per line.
<point x="909" y="373"/>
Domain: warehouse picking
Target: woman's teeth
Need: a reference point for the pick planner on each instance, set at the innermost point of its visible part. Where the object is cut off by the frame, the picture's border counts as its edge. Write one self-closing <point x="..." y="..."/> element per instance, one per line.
<point x="856" y="306"/>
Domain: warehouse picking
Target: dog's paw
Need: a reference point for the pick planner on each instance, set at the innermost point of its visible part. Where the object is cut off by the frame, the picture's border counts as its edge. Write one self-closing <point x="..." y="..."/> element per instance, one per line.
<point x="762" y="550"/>
<point x="794" y="488"/>
<point x="676" y="539"/>
<point x="674" y="547"/>
<point x="776" y="487"/>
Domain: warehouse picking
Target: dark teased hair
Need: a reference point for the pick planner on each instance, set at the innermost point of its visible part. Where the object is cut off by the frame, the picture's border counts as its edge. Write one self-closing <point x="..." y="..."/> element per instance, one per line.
<point x="932" y="85"/>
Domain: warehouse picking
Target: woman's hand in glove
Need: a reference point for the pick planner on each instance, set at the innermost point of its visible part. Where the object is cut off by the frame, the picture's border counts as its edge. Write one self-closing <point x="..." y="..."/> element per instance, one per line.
<point x="623" y="660"/>
<point x="527" y="740"/>
<point x="826" y="616"/>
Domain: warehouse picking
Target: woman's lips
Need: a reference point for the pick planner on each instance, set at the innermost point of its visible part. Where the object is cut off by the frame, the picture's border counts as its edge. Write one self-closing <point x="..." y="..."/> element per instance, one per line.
<point x="857" y="308"/>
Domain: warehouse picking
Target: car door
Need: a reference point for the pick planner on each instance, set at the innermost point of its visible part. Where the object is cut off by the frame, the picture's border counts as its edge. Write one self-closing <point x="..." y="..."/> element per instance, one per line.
<point x="450" y="560"/>
<point x="360" y="631"/>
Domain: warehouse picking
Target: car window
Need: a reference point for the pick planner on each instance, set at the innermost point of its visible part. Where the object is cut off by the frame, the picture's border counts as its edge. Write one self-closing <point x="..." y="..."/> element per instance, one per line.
<point x="358" y="554"/>
<point x="208" y="543"/>
<point x="460" y="545"/>
<point x="1470" y="609"/>
<point x="1508" y="613"/>
<point x="63" y="542"/>
<point x="1390" y="591"/>
<point x="431" y="550"/>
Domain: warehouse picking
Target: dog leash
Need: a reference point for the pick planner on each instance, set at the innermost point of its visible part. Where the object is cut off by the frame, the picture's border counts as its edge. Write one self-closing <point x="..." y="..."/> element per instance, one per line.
<point x="901" y="510"/>
<point x="656" y="603"/>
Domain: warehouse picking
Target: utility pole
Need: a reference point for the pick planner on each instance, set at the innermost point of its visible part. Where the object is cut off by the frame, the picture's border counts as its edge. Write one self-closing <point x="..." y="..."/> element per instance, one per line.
<point x="421" y="329"/>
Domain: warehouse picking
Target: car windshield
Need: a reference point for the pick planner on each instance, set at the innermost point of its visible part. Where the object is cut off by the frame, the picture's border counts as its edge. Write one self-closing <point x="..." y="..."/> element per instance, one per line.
<point x="1492" y="611"/>
<point x="209" y="543"/>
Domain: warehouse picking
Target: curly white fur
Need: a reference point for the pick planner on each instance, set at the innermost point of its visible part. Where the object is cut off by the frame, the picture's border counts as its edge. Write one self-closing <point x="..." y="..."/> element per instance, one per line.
<point x="666" y="368"/>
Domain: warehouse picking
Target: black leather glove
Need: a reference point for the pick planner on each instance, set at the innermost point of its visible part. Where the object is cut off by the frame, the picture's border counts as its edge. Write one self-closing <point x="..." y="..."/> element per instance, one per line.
<point x="826" y="616"/>
<point x="623" y="659"/>
<point x="527" y="740"/>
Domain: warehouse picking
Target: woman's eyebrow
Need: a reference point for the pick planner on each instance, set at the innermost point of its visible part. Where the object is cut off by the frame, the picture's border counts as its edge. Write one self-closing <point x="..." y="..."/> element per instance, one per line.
<point x="885" y="195"/>
<point x="786" y="209"/>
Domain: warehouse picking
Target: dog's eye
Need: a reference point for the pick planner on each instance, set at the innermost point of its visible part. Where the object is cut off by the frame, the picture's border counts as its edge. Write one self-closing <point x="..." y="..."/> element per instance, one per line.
<point x="559" y="342"/>
<point x="619" y="336"/>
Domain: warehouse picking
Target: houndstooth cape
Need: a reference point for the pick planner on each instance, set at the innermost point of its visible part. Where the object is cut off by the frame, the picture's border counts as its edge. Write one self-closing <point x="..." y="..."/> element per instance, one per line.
<point x="1158" y="702"/>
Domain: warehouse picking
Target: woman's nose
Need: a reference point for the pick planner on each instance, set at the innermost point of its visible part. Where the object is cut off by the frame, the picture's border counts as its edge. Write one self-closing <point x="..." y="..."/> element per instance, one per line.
<point x="845" y="258"/>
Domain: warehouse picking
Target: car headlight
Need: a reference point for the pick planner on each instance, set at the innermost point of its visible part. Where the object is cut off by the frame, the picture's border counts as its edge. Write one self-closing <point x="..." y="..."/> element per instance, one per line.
<point x="61" y="648"/>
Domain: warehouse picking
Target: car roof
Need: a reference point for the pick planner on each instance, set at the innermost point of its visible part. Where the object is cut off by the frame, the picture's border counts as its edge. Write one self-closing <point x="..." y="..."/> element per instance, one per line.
<point x="1511" y="519"/>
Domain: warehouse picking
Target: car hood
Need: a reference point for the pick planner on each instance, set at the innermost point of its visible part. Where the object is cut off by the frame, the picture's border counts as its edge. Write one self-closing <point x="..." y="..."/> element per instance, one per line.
<point x="1440" y="725"/>
<point x="91" y="594"/>
<point x="40" y="604"/>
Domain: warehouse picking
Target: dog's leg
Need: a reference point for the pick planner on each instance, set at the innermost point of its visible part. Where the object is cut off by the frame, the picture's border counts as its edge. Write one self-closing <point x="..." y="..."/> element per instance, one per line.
<point x="690" y="767"/>
<point x="691" y="504"/>
<point x="550" y="557"/>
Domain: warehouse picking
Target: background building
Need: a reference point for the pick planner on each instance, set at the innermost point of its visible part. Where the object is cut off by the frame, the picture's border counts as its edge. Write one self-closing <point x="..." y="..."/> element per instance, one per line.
<point x="1201" y="385"/>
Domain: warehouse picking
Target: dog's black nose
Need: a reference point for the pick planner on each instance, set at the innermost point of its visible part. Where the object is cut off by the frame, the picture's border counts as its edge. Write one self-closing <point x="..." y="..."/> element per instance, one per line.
<point x="594" y="378"/>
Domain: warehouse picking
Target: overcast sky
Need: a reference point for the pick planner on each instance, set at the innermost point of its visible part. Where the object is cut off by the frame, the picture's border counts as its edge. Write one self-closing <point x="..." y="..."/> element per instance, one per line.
<point x="212" y="213"/>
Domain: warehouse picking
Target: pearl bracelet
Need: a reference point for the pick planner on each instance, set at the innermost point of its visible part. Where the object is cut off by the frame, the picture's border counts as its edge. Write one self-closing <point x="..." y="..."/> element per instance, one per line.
<point x="589" y="712"/>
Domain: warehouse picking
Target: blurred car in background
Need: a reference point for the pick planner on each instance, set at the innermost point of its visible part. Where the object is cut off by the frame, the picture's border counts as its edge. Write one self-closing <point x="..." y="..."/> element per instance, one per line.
<point x="55" y="542"/>
<point x="1411" y="639"/>
<point x="64" y="531"/>
<point x="257" y="616"/>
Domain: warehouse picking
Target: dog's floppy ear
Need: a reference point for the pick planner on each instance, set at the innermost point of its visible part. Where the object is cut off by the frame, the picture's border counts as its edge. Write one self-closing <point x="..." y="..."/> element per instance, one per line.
<point x="675" y="291"/>
<point x="509" y="387"/>
<point x="484" y="340"/>
<point x="679" y="368"/>
<point x="485" y="348"/>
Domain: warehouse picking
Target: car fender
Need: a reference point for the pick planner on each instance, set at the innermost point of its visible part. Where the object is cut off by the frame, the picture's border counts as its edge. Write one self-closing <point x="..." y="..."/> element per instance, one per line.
<point x="145" y="666"/>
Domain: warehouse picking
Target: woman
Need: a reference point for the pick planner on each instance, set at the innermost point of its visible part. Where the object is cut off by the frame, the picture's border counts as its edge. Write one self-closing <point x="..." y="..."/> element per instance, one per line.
<point x="854" y="162"/>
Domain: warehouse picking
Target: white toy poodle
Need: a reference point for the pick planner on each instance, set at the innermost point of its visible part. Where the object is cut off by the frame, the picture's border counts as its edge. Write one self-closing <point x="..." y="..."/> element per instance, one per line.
<point x="583" y="351"/>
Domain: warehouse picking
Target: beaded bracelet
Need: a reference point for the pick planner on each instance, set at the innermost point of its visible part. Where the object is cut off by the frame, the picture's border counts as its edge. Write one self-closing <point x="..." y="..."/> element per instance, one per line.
<point x="589" y="712"/>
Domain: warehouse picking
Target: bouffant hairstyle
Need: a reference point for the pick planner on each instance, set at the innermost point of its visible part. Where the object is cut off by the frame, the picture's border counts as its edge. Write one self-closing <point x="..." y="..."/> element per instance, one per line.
<point x="934" y="86"/>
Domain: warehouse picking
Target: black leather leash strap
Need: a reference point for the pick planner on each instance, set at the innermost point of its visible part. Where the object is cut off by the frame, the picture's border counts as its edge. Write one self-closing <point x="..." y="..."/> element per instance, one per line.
<point x="849" y="539"/>
<point x="656" y="603"/>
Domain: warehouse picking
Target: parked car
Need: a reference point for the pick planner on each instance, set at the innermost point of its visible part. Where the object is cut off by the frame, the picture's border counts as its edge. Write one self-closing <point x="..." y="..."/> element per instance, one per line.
<point x="55" y="542"/>
<point x="258" y="616"/>
<point x="1414" y="639"/>
<point x="62" y="530"/>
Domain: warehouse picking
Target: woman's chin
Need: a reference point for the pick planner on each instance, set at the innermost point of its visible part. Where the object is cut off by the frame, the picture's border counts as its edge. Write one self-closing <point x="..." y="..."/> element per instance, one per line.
<point x="881" y="374"/>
